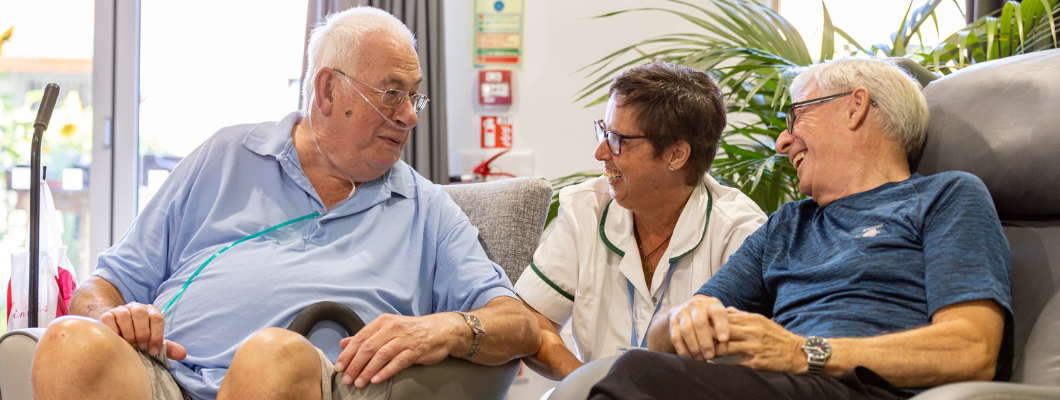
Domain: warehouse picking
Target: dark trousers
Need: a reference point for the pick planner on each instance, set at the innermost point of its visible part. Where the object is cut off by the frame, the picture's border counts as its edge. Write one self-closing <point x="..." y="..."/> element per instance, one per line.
<point x="653" y="375"/>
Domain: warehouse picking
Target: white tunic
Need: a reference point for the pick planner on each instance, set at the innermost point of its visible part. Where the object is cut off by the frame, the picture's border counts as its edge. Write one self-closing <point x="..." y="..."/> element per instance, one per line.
<point x="588" y="259"/>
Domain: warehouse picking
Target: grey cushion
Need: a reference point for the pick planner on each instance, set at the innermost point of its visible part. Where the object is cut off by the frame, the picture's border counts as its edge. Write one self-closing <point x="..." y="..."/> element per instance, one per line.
<point x="1036" y="300"/>
<point x="998" y="120"/>
<point x="509" y="215"/>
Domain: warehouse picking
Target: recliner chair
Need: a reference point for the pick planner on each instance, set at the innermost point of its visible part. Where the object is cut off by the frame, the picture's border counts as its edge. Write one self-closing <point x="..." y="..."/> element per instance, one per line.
<point x="999" y="120"/>
<point x="509" y="214"/>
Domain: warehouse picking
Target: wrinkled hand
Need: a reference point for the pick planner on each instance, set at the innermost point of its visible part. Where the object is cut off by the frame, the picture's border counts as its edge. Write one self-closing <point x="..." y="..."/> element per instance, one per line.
<point x="699" y="328"/>
<point x="142" y="326"/>
<point x="391" y="343"/>
<point x="763" y="344"/>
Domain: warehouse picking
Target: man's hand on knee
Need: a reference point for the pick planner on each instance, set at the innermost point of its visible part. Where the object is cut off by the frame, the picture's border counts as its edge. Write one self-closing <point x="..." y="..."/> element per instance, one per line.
<point x="142" y="325"/>
<point x="391" y="343"/>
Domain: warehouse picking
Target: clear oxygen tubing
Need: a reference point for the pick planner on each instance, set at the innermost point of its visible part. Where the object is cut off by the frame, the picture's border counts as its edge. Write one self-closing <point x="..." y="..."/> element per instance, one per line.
<point x="271" y="229"/>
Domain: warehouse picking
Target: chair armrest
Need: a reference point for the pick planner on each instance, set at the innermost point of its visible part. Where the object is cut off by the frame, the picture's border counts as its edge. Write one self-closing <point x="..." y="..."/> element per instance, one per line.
<point x="16" y="358"/>
<point x="453" y="378"/>
<point x="989" y="391"/>
<point x="578" y="383"/>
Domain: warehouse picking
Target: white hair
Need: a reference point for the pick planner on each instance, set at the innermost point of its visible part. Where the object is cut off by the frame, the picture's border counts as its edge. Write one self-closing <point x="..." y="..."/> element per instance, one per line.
<point x="336" y="42"/>
<point x="903" y="111"/>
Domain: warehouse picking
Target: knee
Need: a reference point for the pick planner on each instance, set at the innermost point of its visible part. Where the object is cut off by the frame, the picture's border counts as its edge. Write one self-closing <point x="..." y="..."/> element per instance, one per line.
<point x="640" y="364"/>
<point x="278" y="346"/>
<point x="83" y="339"/>
<point x="76" y="335"/>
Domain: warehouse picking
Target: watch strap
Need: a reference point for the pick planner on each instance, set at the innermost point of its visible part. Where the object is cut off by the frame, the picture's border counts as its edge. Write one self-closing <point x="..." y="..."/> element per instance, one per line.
<point x="476" y="327"/>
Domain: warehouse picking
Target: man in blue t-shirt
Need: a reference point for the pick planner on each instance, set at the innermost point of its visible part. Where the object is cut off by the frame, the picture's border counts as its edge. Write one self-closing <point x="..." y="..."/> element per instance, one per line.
<point x="885" y="279"/>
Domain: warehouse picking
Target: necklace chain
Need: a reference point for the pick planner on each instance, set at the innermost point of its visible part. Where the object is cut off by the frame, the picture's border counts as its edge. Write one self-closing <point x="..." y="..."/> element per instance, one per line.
<point x="645" y="265"/>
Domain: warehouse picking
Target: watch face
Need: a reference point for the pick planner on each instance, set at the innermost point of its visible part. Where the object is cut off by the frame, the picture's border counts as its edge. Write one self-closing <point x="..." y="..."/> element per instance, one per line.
<point x="473" y="320"/>
<point x="817" y="347"/>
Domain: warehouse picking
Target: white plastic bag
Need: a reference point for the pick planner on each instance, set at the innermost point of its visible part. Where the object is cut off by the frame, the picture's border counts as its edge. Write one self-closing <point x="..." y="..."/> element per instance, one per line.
<point x="55" y="279"/>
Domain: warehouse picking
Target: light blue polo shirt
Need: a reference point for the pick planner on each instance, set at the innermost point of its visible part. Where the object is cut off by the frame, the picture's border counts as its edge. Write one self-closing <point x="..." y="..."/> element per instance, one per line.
<point x="398" y="246"/>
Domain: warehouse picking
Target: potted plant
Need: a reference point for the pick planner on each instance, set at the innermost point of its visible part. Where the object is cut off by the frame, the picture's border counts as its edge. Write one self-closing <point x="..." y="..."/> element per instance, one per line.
<point x="754" y="53"/>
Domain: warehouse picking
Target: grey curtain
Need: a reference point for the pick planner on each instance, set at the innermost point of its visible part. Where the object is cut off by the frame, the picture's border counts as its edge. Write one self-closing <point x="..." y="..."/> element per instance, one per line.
<point x="427" y="148"/>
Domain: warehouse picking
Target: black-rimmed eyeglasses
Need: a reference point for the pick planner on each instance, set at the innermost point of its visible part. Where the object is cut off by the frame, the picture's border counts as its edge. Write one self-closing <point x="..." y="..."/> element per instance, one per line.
<point x="392" y="98"/>
<point x="614" y="139"/>
<point x="791" y="117"/>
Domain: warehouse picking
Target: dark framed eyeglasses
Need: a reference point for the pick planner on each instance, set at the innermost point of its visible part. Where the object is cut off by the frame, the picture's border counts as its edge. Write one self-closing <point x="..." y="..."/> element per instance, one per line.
<point x="392" y="98"/>
<point x="614" y="139"/>
<point x="791" y="115"/>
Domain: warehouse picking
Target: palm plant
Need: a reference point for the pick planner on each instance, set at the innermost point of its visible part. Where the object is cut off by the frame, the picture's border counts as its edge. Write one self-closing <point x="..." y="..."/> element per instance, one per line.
<point x="1016" y="28"/>
<point x="754" y="53"/>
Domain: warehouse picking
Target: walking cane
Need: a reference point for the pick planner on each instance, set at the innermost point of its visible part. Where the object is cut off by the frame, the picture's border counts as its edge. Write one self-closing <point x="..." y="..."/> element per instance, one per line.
<point x="44" y="114"/>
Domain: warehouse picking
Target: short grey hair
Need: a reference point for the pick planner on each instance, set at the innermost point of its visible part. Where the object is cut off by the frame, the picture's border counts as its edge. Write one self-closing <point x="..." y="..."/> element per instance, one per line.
<point x="903" y="111"/>
<point x="336" y="42"/>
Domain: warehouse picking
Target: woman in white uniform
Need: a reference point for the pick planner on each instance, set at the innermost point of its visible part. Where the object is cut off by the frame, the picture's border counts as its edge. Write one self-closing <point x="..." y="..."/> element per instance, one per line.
<point x="647" y="233"/>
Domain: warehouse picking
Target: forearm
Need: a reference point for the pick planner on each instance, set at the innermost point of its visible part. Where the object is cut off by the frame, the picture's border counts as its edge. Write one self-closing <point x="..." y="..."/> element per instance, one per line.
<point x="924" y="357"/>
<point x="511" y="332"/>
<point x="952" y="350"/>
<point x="94" y="297"/>
<point x="659" y="332"/>
<point x="553" y="360"/>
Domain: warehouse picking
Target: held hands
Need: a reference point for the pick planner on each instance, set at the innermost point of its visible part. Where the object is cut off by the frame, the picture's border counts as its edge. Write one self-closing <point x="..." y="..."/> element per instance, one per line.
<point x="142" y="326"/>
<point x="763" y="344"/>
<point x="702" y="328"/>
<point x="391" y="343"/>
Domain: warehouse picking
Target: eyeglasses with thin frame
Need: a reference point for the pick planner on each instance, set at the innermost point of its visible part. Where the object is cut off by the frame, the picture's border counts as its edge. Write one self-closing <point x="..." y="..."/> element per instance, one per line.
<point x="614" y="139"/>
<point x="392" y="98"/>
<point x="791" y="117"/>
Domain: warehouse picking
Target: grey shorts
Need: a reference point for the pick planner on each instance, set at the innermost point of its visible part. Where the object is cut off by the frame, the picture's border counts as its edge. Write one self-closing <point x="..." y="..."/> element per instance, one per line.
<point x="164" y="387"/>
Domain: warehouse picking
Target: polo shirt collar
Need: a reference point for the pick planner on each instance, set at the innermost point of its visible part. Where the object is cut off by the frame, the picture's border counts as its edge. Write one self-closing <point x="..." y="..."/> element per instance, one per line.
<point x="273" y="139"/>
<point x="616" y="231"/>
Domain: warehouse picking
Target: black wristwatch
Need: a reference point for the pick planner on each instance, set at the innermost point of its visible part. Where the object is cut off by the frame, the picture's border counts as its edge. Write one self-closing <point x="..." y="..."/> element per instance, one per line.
<point x="817" y="352"/>
<point x="476" y="327"/>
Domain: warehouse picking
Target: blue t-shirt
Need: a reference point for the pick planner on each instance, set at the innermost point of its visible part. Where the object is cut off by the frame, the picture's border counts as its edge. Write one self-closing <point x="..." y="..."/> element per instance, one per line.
<point x="874" y="262"/>
<point x="399" y="245"/>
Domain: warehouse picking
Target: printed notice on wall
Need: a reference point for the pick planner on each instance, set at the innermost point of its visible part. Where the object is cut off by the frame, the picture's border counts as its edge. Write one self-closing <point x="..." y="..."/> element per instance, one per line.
<point x="497" y="42"/>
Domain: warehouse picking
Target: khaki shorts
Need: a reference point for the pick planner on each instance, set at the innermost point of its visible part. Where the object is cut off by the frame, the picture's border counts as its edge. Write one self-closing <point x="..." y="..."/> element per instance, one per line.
<point x="164" y="387"/>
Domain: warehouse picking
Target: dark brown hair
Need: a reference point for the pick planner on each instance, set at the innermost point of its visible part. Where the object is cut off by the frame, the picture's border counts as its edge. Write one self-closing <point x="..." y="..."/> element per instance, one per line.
<point x="672" y="103"/>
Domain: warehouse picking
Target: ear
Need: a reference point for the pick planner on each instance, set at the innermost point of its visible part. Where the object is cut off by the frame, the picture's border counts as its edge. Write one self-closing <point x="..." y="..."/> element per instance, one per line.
<point x="858" y="110"/>
<point x="679" y="154"/>
<point x="324" y="91"/>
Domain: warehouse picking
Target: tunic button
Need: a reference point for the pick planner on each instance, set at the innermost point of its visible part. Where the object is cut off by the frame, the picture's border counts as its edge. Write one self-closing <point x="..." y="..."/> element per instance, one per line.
<point x="323" y="221"/>
<point x="654" y="300"/>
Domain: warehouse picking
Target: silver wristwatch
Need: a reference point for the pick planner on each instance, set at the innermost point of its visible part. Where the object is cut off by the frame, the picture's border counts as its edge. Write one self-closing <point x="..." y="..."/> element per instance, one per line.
<point x="817" y="352"/>
<point x="476" y="327"/>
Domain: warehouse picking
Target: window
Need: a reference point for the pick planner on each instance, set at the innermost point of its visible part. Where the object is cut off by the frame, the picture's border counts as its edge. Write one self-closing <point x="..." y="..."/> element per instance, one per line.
<point x="867" y="21"/>
<point x="201" y="71"/>
<point x="51" y="42"/>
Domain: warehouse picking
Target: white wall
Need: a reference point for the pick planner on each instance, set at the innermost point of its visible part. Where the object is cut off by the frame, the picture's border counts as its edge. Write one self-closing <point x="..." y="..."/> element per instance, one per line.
<point x="550" y="131"/>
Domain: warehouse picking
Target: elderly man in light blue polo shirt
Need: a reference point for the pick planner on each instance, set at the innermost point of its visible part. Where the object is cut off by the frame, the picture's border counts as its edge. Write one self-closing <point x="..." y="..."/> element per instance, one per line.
<point x="265" y="219"/>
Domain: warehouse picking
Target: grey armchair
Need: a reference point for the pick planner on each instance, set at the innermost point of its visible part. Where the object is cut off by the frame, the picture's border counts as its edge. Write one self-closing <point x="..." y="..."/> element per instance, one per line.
<point x="999" y="120"/>
<point x="509" y="214"/>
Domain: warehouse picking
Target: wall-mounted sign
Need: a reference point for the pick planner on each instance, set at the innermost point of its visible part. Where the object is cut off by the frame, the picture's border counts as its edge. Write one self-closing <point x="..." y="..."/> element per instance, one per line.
<point x="496" y="132"/>
<point x="497" y="41"/>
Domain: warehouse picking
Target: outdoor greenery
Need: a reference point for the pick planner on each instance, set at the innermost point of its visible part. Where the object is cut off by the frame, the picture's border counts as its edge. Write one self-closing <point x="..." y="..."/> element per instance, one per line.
<point x="754" y="53"/>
